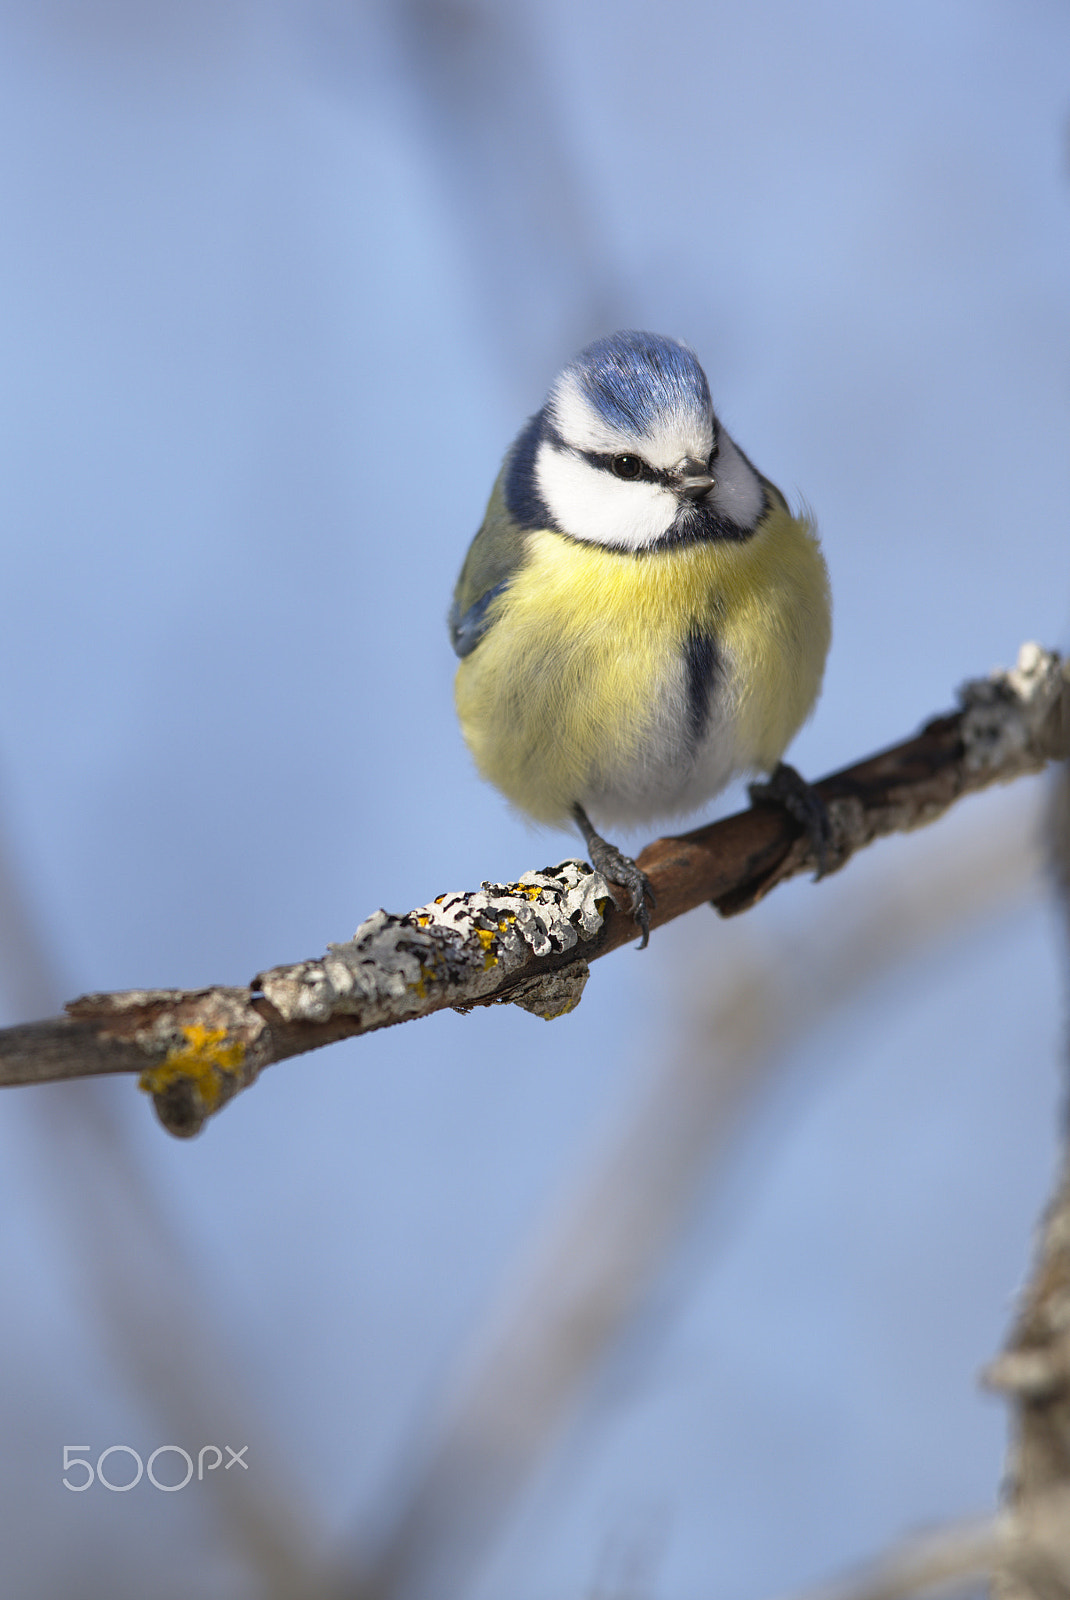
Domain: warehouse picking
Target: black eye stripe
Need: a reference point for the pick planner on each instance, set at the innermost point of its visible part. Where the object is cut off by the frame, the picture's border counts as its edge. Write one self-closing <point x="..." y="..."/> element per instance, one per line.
<point x="646" y="473"/>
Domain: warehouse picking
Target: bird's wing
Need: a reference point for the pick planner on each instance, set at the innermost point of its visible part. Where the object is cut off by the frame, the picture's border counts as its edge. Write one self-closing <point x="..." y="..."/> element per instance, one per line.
<point x="494" y="557"/>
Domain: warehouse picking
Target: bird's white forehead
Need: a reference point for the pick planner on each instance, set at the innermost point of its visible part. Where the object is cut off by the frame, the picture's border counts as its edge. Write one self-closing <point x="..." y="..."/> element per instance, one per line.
<point x="676" y="431"/>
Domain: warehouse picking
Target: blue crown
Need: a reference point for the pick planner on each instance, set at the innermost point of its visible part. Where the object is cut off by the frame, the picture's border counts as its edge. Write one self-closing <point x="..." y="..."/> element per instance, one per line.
<point x="634" y="379"/>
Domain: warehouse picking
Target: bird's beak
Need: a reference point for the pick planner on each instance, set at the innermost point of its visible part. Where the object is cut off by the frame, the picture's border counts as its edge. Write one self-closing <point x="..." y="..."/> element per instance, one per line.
<point x="693" y="478"/>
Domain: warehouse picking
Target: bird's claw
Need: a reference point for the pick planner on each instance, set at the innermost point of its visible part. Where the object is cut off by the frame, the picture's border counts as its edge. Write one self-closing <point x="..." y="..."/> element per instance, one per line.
<point x="619" y="869"/>
<point x="787" y="788"/>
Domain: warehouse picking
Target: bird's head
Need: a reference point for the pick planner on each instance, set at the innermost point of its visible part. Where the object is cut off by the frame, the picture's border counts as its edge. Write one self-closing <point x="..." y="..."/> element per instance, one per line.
<point x="627" y="452"/>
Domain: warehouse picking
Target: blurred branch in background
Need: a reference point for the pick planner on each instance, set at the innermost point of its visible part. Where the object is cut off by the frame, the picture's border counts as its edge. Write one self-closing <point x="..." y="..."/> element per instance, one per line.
<point x="482" y="90"/>
<point x="170" y="1349"/>
<point x="1034" y="1370"/>
<point x="952" y="1560"/>
<point x="478" y="87"/>
<point x="30" y="983"/>
<point x="585" y="1279"/>
<point x="133" y="1275"/>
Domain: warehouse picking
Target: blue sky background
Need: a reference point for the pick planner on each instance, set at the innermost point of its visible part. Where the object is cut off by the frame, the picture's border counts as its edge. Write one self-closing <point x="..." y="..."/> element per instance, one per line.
<point x="279" y="284"/>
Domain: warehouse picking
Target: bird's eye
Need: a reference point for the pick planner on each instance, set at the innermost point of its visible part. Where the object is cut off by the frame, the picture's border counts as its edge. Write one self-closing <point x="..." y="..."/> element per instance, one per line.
<point x="627" y="466"/>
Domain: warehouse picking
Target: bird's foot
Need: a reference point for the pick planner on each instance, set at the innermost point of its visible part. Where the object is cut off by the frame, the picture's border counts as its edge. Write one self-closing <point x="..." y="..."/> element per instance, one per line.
<point x="800" y="800"/>
<point x="619" y="869"/>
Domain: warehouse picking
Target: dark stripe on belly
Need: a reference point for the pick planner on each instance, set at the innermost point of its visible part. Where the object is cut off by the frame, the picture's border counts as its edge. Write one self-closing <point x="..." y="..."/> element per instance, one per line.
<point x="700" y="653"/>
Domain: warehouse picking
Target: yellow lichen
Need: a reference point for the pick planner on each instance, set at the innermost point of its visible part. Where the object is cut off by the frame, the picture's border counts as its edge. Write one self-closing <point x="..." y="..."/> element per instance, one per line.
<point x="427" y="975"/>
<point x="204" y="1060"/>
<point x="562" y="1009"/>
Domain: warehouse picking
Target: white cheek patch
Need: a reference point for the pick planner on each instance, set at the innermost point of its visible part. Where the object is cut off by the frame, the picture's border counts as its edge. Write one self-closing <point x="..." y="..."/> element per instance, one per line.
<point x="590" y="503"/>
<point x="738" y="493"/>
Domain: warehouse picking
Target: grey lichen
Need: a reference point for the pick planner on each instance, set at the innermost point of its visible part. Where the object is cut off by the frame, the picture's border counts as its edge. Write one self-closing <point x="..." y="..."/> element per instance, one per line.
<point x="552" y="994"/>
<point x="468" y="943"/>
<point x="1007" y="716"/>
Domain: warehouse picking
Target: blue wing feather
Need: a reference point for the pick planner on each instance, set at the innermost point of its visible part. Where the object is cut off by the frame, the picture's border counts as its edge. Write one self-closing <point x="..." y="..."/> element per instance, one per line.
<point x="468" y="627"/>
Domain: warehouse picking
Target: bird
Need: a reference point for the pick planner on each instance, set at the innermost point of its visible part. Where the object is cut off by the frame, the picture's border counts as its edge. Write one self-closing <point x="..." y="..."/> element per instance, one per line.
<point x="641" y="617"/>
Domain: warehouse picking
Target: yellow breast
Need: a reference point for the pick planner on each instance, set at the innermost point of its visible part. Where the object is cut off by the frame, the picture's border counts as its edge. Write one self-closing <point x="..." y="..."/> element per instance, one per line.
<point x="580" y="683"/>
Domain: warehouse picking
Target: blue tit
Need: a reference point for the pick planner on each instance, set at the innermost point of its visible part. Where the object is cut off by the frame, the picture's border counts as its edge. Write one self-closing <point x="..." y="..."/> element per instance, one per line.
<point x="640" y="617"/>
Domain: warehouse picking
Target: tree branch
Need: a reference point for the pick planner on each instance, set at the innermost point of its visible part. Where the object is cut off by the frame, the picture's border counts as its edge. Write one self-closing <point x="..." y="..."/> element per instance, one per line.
<point x="950" y="1559"/>
<point x="531" y="942"/>
<point x="1033" y="1372"/>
